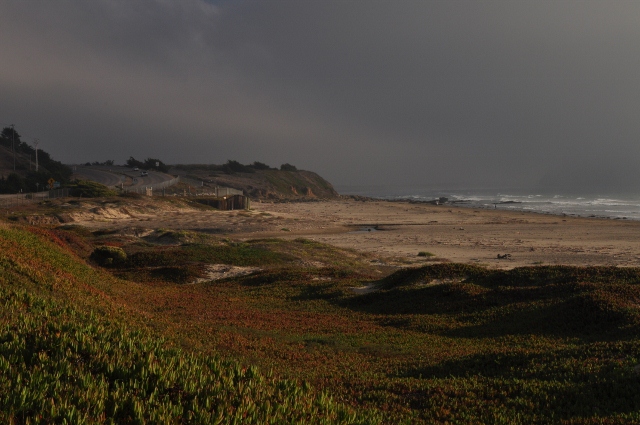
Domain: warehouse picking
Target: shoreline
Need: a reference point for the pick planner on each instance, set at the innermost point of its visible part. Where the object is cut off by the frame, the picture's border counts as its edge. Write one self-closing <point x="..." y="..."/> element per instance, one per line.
<point x="400" y="230"/>
<point x="466" y="235"/>
<point x="487" y="204"/>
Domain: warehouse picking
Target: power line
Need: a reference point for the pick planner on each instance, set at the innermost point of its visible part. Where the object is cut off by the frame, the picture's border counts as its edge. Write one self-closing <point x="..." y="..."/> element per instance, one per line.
<point x="36" y="141"/>
<point x="22" y="136"/>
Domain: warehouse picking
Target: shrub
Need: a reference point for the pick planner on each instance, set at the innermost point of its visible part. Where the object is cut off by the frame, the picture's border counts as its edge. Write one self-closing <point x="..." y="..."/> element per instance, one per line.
<point x="12" y="184"/>
<point x="133" y="195"/>
<point x="89" y="189"/>
<point x="288" y="167"/>
<point x="155" y="164"/>
<point x="260" y="166"/>
<point x="235" y="167"/>
<point x="108" y="255"/>
<point x="426" y="254"/>
<point x="132" y="162"/>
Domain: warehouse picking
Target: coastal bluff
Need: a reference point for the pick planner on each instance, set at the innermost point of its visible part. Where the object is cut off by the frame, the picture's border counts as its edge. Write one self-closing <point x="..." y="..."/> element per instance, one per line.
<point x="272" y="184"/>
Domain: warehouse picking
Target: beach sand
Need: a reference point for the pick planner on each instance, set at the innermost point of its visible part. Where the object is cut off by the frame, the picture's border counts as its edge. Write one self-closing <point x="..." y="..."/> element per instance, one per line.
<point x="464" y="235"/>
<point x="400" y="230"/>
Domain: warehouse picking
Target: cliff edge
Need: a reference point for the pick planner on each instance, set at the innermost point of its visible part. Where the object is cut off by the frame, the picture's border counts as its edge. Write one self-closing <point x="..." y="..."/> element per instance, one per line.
<point x="260" y="184"/>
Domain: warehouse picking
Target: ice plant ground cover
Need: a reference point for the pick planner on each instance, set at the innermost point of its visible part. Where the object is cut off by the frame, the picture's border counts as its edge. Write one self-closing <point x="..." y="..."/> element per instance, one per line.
<point x="135" y="342"/>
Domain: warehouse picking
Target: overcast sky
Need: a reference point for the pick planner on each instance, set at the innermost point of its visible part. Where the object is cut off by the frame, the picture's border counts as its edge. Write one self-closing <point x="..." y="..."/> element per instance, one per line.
<point x="436" y="93"/>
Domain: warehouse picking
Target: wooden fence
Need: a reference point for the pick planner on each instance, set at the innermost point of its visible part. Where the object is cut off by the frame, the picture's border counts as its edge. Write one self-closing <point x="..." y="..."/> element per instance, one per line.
<point x="233" y="202"/>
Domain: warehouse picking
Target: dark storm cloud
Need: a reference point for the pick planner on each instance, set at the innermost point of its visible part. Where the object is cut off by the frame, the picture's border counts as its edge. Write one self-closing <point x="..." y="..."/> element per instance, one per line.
<point x="442" y="93"/>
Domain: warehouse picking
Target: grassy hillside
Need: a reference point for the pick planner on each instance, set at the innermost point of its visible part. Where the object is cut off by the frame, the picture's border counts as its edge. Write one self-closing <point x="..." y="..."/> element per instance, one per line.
<point x="135" y="341"/>
<point x="259" y="183"/>
<point x="72" y="350"/>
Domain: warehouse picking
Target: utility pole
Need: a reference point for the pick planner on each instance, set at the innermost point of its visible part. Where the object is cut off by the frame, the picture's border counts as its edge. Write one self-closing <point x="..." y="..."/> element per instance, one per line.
<point x="35" y="143"/>
<point x="13" y="148"/>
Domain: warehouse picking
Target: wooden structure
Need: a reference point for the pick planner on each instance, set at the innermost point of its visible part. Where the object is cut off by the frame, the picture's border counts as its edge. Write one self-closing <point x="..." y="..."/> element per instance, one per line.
<point x="227" y="203"/>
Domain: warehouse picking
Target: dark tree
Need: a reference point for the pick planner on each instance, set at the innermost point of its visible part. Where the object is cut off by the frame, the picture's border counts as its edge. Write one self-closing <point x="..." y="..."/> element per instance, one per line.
<point x="150" y="164"/>
<point x="5" y="137"/>
<point x="49" y="168"/>
<point x="260" y="166"/>
<point x="12" y="184"/>
<point x="7" y="132"/>
<point x="235" y="167"/>
<point x="108" y="162"/>
<point x="36" y="181"/>
<point x="132" y="162"/>
<point x="288" y="167"/>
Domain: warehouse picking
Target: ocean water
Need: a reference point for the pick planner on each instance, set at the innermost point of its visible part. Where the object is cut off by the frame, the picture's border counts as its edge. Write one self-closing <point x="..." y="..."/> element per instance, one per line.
<point x="603" y="205"/>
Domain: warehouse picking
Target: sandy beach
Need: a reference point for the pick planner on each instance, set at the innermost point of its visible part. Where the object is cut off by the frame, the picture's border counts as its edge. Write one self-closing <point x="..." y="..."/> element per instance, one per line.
<point x="398" y="231"/>
<point x="473" y="236"/>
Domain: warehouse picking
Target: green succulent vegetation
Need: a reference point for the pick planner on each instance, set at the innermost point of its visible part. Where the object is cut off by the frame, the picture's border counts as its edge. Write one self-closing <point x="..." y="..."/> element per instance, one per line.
<point x="73" y="367"/>
<point x="68" y="355"/>
<point x="89" y="189"/>
<point x="109" y="255"/>
<point x="292" y="342"/>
